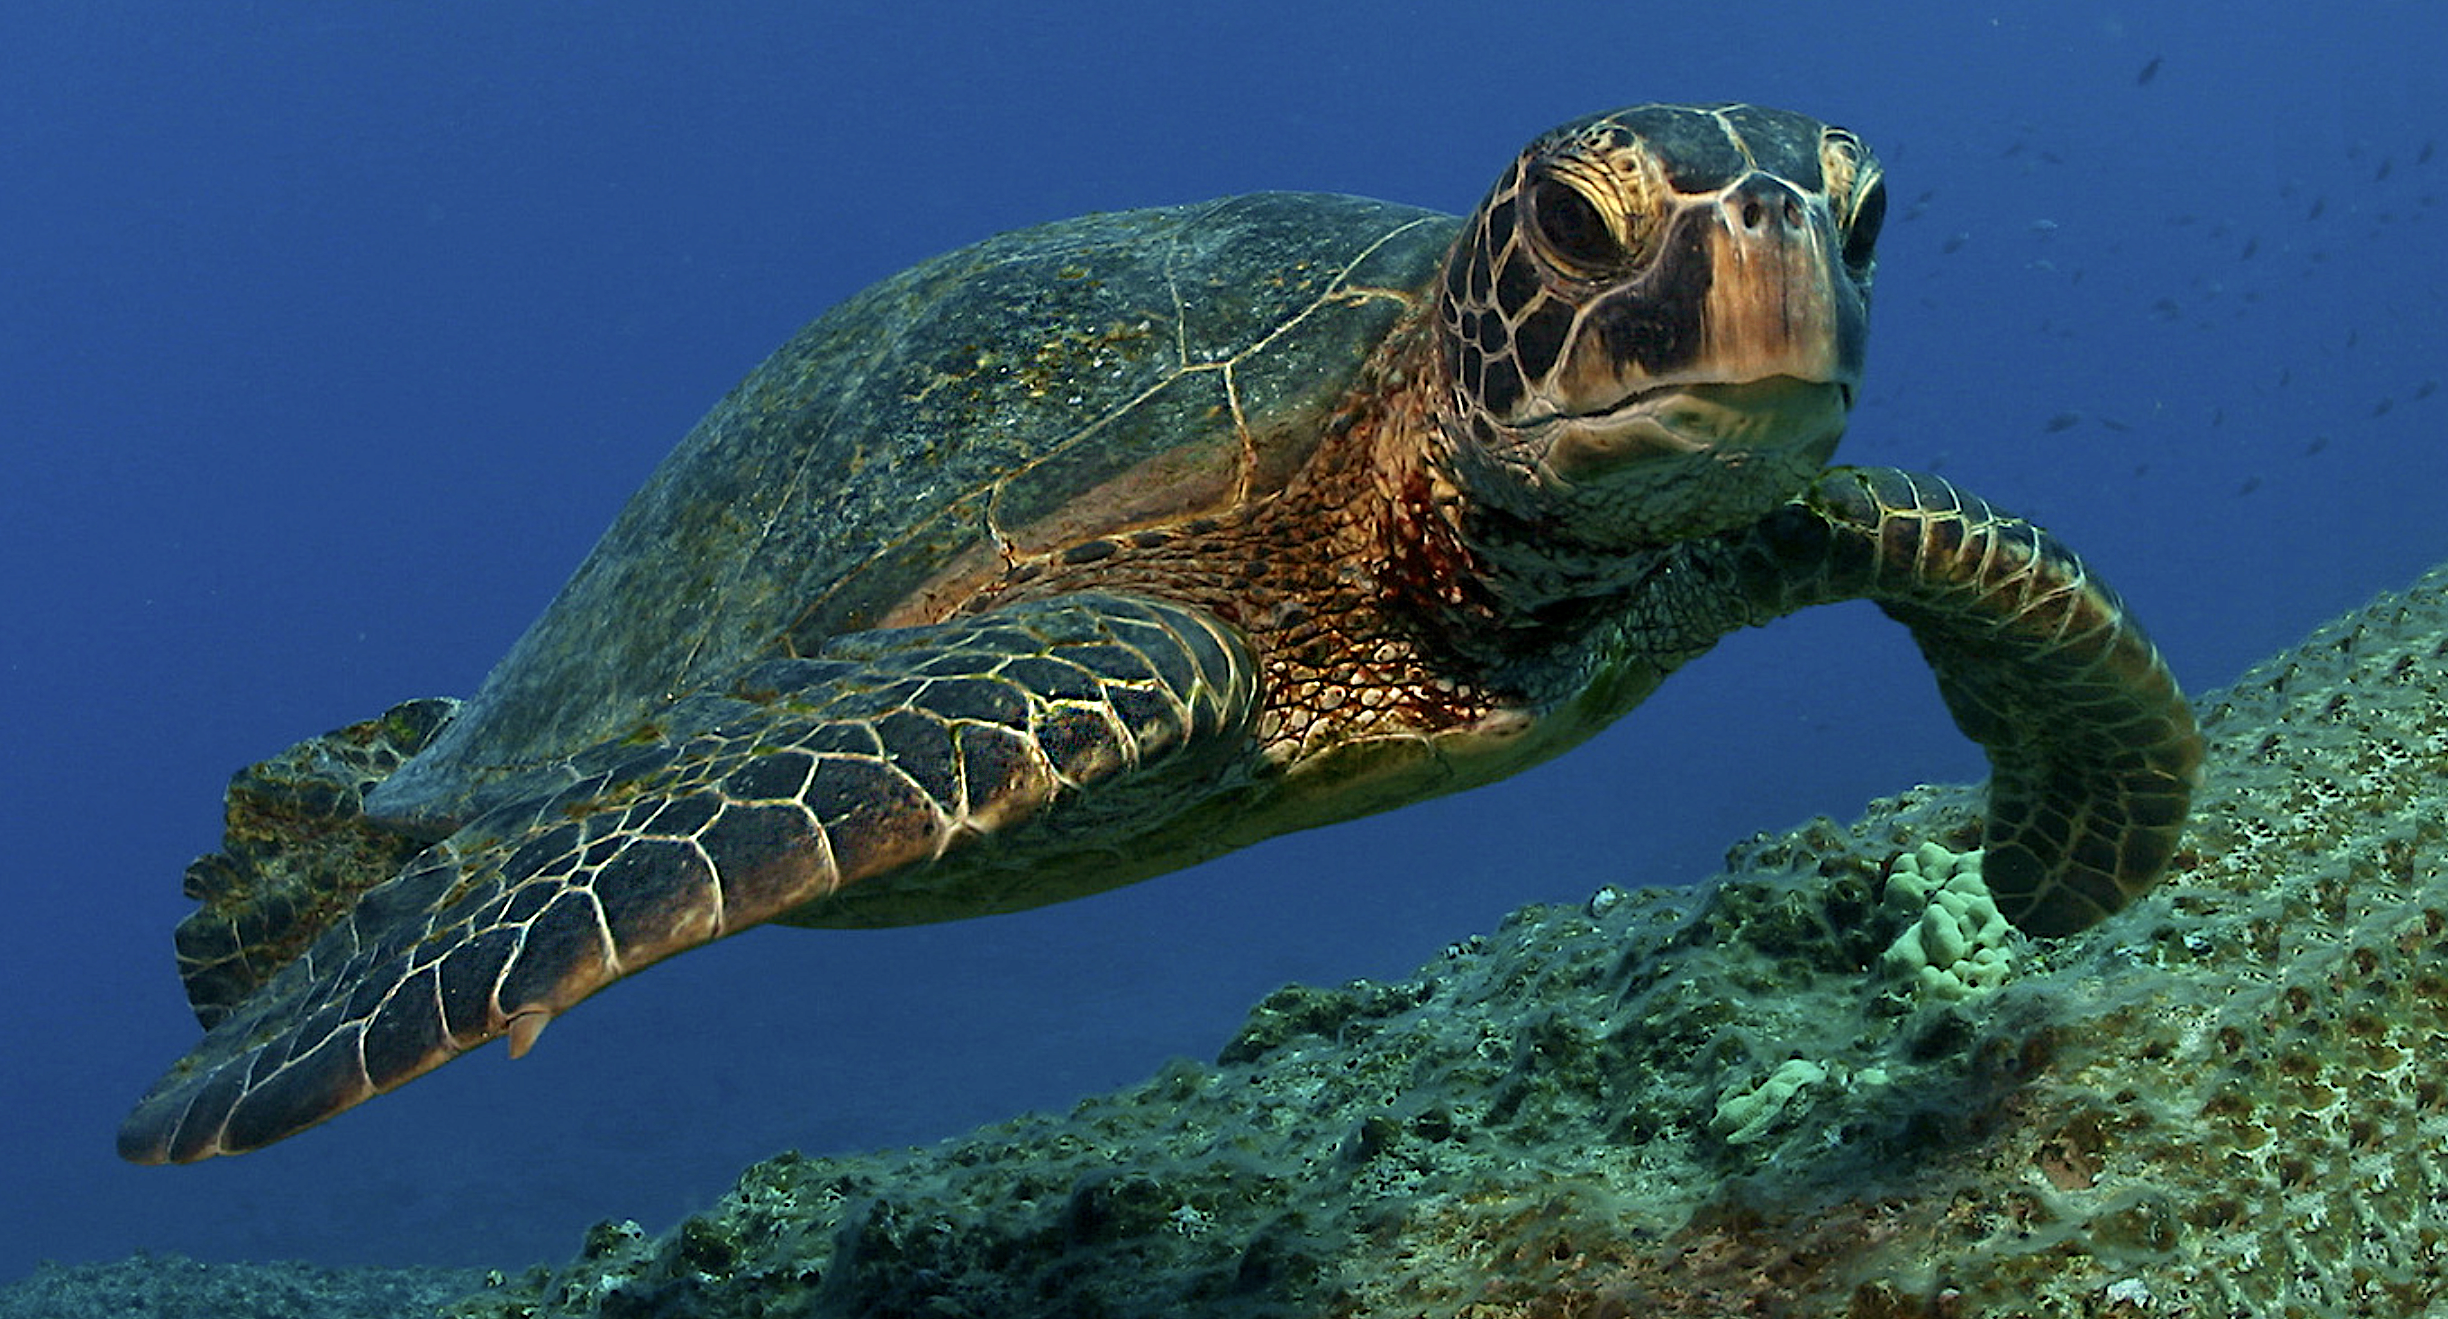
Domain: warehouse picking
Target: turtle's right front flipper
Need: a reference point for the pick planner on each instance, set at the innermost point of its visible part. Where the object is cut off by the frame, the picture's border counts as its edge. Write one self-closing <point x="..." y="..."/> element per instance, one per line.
<point x="890" y="751"/>
<point x="2093" y="752"/>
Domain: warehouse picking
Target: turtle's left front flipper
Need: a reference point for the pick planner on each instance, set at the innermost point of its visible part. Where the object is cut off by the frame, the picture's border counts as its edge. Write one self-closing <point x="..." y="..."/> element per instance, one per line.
<point x="2093" y="752"/>
<point x="886" y="756"/>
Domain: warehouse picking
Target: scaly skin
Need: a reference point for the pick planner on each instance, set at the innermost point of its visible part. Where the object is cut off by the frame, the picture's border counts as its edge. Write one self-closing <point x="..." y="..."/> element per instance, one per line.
<point x="802" y="795"/>
<point x="2093" y="752"/>
<point x="1589" y="448"/>
<point x="811" y="778"/>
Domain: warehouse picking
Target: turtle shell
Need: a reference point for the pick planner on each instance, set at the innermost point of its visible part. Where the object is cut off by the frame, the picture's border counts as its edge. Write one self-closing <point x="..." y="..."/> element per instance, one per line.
<point x="1046" y="386"/>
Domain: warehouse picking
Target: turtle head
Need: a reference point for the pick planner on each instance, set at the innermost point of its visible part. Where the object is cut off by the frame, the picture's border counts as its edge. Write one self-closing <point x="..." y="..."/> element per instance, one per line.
<point x="1654" y="324"/>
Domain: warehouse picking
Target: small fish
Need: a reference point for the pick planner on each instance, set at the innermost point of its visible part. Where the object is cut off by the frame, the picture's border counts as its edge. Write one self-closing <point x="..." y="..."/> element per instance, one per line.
<point x="2319" y="204"/>
<point x="2387" y="163"/>
<point x="2064" y="421"/>
<point x="2251" y="245"/>
<point x="2426" y="389"/>
<point x="1954" y="243"/>
<point x="2251" y="483"/>
<point x="2381" y="408"/>
<point x="2114" y="425"/>
<point x="2319" y="442"/>
<point x="2423" y="157"/>
<point x="2149" y="71"/>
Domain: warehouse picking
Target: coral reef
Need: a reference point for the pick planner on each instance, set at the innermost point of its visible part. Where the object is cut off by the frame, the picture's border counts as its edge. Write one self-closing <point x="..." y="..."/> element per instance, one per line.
<point x="171" y="1287"/>
<point x="1833" y="1083"/>
<point x="1830" y="1084"/>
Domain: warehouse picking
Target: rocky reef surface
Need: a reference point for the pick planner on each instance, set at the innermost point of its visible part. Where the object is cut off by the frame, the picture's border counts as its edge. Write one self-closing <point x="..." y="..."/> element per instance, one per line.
<point x="173" y="1287"/>
<point x="1833" y="1083"/>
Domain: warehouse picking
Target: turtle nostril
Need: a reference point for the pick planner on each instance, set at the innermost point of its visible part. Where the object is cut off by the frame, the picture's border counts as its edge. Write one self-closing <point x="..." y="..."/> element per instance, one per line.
<point x="1763" y="205"/>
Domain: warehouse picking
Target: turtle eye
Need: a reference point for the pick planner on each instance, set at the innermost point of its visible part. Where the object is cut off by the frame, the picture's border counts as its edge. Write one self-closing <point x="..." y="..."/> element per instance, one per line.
<point x="1861" y="235"/>
<point x="1571" y="227"/>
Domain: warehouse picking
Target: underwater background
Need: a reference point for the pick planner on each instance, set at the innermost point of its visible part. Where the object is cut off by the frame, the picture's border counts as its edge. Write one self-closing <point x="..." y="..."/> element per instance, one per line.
<point x="334" y="334"/>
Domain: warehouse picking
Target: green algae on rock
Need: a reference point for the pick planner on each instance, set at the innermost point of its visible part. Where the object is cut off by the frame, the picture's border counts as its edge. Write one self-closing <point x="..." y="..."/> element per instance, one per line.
<point x="2228" y="1099"/>
<point x="174" y="1287"/>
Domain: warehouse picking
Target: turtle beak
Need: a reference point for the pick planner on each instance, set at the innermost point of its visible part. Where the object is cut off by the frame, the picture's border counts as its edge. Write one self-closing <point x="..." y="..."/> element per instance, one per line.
<point x="1747" y="285"/>
<point x="1798" y="420"/>
<point x="1746" y="334"/>
<point x="1777" y="303"/>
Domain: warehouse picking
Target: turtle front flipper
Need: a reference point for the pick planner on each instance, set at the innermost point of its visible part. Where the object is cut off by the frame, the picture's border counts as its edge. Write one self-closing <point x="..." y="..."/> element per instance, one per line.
<point x="2093" y="752"/>
<point x="880" y="761"/>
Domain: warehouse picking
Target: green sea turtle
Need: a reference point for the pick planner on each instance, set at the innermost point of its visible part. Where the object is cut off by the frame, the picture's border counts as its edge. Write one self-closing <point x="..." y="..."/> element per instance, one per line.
<point x="1101" y="548"/>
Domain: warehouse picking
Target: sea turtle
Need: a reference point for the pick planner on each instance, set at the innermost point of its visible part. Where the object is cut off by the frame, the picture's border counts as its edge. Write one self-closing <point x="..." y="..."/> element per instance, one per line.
<point x="1101" y="548"/>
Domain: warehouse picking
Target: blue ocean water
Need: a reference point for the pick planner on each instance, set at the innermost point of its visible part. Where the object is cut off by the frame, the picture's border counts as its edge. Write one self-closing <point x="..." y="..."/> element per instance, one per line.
<point x="334" y="334"/>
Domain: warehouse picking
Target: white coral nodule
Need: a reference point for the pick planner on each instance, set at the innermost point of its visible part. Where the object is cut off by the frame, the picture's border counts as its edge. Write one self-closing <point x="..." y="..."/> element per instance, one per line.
<point x="1959" y="944"/>
<point x="1744" y="1116"/>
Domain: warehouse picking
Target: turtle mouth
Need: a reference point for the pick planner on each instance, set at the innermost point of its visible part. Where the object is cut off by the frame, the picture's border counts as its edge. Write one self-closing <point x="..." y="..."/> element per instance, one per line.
<point x="1729" y="419"/>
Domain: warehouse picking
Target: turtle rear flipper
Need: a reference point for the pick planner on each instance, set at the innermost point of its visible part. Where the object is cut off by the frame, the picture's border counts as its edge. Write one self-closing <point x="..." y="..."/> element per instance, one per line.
<point x="296" y="852"/>
<point x="2093" y="752"/>
<point x="889" y="753"/>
